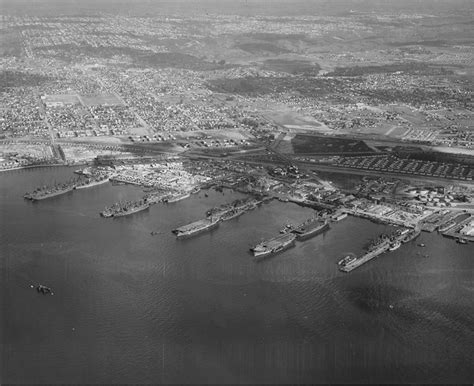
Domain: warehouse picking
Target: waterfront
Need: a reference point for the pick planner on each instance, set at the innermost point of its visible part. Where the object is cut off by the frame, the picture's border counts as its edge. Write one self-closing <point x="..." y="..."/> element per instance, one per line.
<point x="131" y="307"/>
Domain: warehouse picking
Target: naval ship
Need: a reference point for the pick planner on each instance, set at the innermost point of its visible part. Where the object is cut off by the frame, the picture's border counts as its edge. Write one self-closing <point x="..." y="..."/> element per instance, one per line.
<point x="45" y="192"/>
<point x="197" y="227"/>
<point x="310" y="228"/>
<point x="274" y="245"/>
<point x="125" y="209"/>
<point x="92" y="181"/>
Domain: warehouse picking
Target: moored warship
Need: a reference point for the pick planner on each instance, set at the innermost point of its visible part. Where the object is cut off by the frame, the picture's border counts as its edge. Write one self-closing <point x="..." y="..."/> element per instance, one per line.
<point x="197" y="227"/>
<point x="310" y="228"/>
<point x="92" y="181"/>
<point x="45" y="192"/>
<point x="274" y="245"/>
<point x="124" y="209"/>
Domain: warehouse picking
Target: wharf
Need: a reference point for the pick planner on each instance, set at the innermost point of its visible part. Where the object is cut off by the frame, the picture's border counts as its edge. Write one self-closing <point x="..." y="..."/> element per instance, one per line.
<point x="454" y="220"/>
<point x="339" y="215"/>
<point x="437" y="219"/>
<point x="454" y="232"/>
<point x="379" y="219"/>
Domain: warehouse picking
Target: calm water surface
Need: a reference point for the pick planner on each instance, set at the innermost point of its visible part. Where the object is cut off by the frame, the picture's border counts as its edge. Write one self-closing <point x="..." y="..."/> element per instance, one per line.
<point x="131" y="307"/>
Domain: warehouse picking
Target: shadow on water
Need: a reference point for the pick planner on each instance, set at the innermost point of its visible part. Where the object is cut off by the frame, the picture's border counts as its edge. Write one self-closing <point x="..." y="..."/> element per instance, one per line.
<point x="375" y="299"/>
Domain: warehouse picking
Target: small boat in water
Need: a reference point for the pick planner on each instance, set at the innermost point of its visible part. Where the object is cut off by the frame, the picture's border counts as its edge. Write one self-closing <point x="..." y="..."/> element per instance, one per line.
<point x="347" y="260"/>
<point x="40" y="288"/>
<point x="394" y="246"/>
<point x="461" y="241"/>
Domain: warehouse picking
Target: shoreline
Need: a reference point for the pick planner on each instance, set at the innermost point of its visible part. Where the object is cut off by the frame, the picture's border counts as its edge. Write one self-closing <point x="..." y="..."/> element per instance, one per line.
<point x="41" y="166"/>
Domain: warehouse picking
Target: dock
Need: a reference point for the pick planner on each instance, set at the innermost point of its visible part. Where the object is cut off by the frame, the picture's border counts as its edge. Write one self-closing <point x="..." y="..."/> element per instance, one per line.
<point x="455" y="231"/>
<point x="437" y="219"/>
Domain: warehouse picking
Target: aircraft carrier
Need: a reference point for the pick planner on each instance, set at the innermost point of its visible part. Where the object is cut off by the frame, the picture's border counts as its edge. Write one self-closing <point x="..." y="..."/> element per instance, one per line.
<point x="197" y="227"/>
<point x="274" y="245"/>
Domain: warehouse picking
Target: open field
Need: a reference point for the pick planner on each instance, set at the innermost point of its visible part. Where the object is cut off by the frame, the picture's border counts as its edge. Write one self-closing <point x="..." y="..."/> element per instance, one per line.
<point x="316" y="144"/>
<point x="61" y="99"/>
<point x="101" y="100"/>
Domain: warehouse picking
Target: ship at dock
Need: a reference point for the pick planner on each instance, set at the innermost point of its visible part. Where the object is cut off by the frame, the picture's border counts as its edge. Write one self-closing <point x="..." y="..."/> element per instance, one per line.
<point x="385" y="239"/>
<point x="235" y="209"/>
<point x="347" y="265"/>
<point x="197" y="227"/>
<point x="381" y="244"/>
<point x="310" y="228"/>
<point x="411" y="235"/>
<point x="45" y="192"/>
<point x="233" y="213"/>
<point x="125" y="209"/>
<point x="346" y="260"/>
<point x="177" y="198"/>
<point x="273" y="246"/>
<point x="92" y="181"/>
<point x="195" y="190"/>
<point x="394" y="246"/>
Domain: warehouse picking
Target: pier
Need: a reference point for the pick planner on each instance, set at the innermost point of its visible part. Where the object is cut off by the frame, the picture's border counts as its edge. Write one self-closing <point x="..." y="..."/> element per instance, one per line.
<point x="455" y="231"/>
